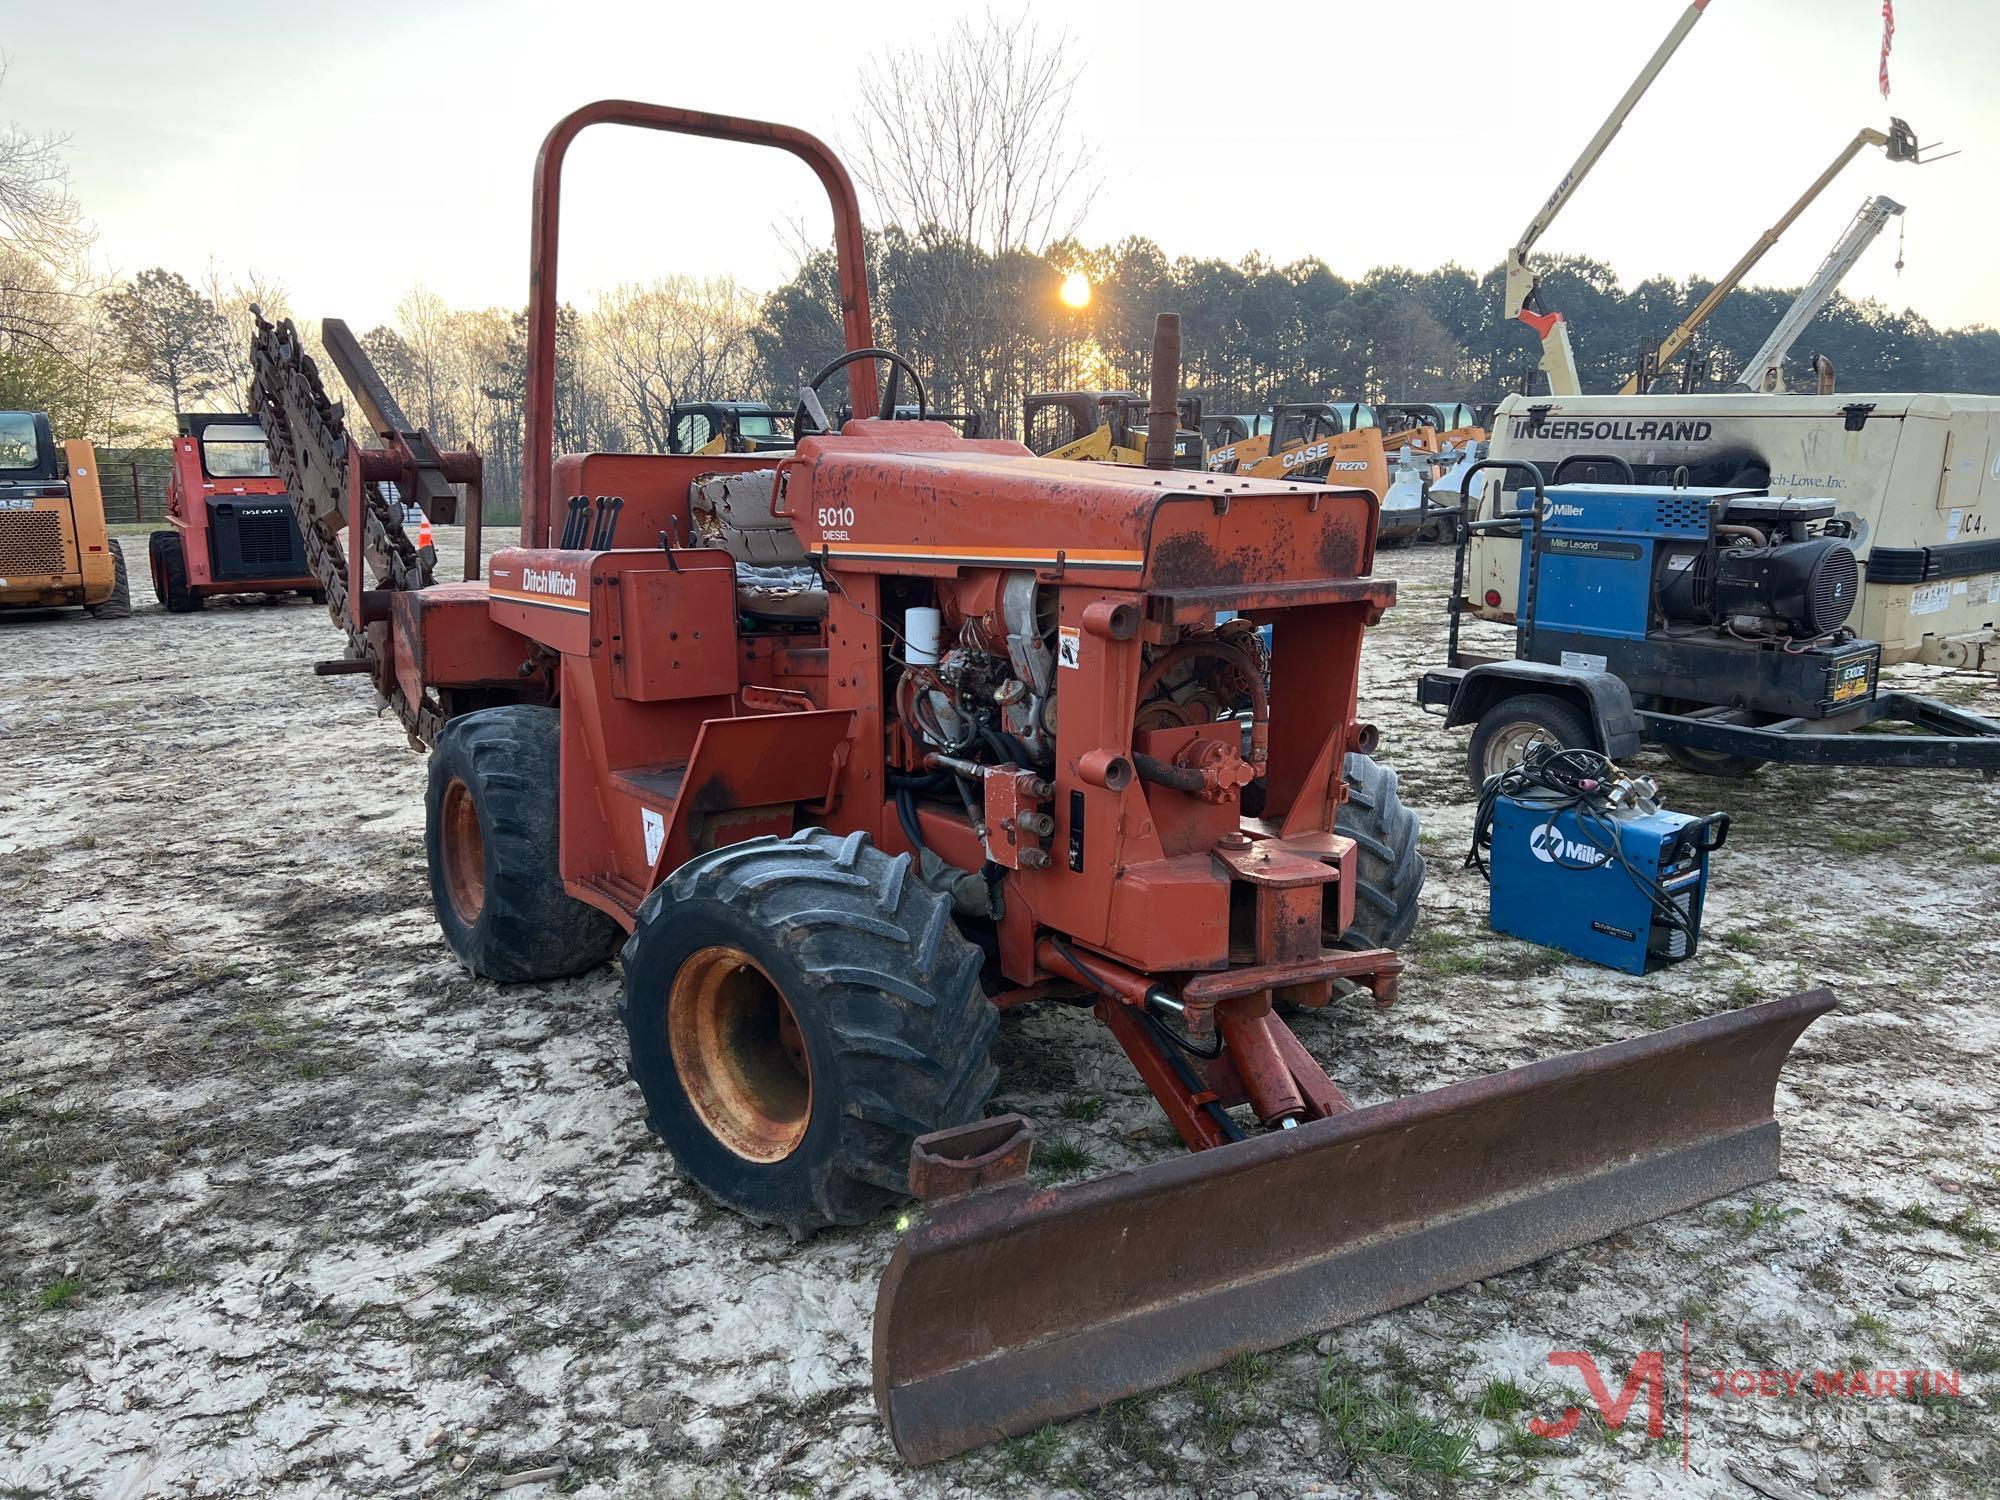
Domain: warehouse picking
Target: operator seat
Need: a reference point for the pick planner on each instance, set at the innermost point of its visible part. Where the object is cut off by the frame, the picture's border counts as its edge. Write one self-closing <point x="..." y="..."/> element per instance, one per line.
<point x="774" y="577"/>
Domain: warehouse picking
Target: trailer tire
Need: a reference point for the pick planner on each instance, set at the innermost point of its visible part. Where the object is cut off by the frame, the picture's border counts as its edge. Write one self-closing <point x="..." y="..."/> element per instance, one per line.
<point x="490" y="843"/>
<point x="1507" y="728"/>
<point x="800" y="1010"/>
<point x="1709" y="762"/>
<point x="170" y="580"/>
<point x="1714" y="763"/>
<point x="1389" y="867"/>
<point x="118" y="604"/>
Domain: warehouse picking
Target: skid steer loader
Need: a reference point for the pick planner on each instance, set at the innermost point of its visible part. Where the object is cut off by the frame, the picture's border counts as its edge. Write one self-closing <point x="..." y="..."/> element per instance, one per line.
<point x="1312" y="440"/>
<point x="1012" y="760"/>
<point x="1109" y="426"/>
<point x="54" y="547"/>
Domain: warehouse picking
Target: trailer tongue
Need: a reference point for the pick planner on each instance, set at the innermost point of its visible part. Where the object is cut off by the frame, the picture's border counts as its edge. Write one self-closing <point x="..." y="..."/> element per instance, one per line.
<point x="1007" y="1305"/>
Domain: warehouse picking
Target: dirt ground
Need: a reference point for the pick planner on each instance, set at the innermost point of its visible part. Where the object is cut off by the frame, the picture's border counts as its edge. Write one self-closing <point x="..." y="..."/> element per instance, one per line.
<point x="294" y="1207"/>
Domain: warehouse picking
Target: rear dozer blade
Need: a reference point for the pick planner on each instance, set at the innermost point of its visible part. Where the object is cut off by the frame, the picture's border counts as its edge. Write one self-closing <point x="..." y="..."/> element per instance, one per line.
<point x="1008" y="1306"/>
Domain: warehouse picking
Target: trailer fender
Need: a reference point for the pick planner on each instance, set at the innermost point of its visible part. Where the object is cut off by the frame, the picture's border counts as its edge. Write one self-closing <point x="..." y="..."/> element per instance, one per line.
<point x="1601" y="697"/>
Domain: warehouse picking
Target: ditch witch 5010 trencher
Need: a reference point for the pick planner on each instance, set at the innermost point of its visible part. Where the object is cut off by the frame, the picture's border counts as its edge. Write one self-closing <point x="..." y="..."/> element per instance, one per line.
<point x="854" y="747"/>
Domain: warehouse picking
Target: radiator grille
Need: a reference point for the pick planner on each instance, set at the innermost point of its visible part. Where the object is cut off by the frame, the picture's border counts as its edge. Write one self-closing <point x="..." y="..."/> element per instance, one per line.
<point x="30" y="542"/>
<point x="264" y="538"/>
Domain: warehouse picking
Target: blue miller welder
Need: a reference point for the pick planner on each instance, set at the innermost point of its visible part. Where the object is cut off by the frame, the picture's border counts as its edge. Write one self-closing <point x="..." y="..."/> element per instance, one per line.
<point x="1582" y="858"/>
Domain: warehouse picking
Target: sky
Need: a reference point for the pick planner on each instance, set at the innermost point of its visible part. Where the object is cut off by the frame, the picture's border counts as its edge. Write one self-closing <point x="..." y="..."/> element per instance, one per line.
<point x="351" y="151"/>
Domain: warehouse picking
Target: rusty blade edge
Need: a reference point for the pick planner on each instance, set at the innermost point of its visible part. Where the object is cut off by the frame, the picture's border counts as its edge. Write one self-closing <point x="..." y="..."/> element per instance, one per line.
<point x="941" y="1390"/>
<point x="1016" y="1391"/>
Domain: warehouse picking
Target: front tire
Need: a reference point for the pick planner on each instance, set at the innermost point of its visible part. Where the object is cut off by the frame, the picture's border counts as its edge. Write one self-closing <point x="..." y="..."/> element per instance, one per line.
<point x="490" y="842"/>
<point x="1504" y="732"/>
<point x="118" y="604"/>
<point x="800" y="1010"/>
<point x="170" y="580"/>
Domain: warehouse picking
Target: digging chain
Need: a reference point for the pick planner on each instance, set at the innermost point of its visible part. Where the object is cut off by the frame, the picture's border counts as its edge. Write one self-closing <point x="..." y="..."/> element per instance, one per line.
<point x="309" y="446"/>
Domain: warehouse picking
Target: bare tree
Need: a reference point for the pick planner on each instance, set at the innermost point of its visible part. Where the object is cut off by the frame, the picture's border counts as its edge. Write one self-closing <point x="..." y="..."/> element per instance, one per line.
<point x="232" y="297"/>
<point x="43" y="235"/>
<point x="173" y="337"/>
<point x="677" y="339"/>
<point x="424" y="319"/>
<point x="973" y="136"/>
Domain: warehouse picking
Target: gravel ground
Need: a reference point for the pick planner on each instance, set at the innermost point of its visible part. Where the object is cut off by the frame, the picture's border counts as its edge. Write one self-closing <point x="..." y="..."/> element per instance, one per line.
<point x="294" y="1207"/>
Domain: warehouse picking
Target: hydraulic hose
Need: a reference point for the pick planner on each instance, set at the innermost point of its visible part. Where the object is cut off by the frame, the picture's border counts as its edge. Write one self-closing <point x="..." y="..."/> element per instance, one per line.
<point x="1160" y="773"/>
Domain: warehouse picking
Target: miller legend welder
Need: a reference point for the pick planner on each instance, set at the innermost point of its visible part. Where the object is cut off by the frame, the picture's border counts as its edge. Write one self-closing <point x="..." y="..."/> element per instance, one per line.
<point x="1582" y="858"/>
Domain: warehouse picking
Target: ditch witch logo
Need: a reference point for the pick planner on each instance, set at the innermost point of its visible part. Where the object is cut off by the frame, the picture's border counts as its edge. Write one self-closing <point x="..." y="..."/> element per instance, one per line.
<point x="536" y="581"/>
<point x="1648" y="1377"/>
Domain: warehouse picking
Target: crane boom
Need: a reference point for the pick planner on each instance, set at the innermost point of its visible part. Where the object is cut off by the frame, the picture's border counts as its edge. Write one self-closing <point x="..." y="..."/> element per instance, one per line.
<point x="1557" y="358"/>
<point x="1761" y="370"/>
<point x="1900" y="144"/>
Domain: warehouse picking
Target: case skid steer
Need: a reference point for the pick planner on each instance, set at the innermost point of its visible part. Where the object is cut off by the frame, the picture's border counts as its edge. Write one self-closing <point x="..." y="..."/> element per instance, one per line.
<point x="54" y="547"/>
<point x="1012" y="760"/>
<point x="1309" y="440"/>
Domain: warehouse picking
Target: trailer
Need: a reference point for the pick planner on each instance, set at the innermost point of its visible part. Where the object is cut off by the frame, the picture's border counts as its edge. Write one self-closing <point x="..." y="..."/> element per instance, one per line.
<point x="1709" y="622"/>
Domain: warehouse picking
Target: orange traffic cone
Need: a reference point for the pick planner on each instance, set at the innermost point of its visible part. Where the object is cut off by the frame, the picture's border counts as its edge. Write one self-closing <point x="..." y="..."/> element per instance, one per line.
<point x="424" y="533"/>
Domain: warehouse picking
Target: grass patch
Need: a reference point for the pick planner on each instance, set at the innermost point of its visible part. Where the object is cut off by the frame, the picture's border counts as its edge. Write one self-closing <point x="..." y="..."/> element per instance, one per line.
<point x="1083" y="1108"/>
<point x="1987" y="856"/>
<point x="1062" y="1154"/>
<point x="1869" y="1327"/>
<point x="1761" y="1214"/>
<point x="59" y="1294"/>
<point x="1502" y="1400"/>
<point x="1866" y="840"/>
<point x="1964" y="1224"/>
<point x="1369" y="1424"/>
<point x="1136" y="1433"/>
<point x="1742" y="941"/>
<point x="477" y="1279"/>
<point x="1451" y="965"/>
<point x="1980" y="1357"/>
<point x="1035" y="1454"/>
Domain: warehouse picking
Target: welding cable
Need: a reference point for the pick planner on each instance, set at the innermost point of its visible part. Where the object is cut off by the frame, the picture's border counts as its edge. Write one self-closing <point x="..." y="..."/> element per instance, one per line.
<point x="1579" y="778"/>
<point x="1591" y="818"/>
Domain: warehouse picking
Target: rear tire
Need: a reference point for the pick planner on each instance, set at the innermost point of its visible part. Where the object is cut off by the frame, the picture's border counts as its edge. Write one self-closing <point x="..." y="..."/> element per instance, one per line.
<point x="1506" y="729"/>
<point x="170" y="580"/>
<point x="1389" y="869"/>
<point x="800" y="1010"/>
<point x="118" y="606"/>
<point x="490" y="842"/>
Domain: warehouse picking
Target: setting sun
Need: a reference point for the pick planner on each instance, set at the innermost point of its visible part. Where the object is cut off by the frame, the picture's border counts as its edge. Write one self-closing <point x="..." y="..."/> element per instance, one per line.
<point x="1076" y="290"/>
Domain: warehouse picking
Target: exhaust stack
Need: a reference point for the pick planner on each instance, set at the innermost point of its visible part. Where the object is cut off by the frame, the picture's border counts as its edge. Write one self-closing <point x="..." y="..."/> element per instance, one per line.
<point x="1163" y="409"/>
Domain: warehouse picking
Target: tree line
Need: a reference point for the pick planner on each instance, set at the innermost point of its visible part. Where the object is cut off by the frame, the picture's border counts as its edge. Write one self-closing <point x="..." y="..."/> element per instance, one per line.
<point x="994" y="183"/>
